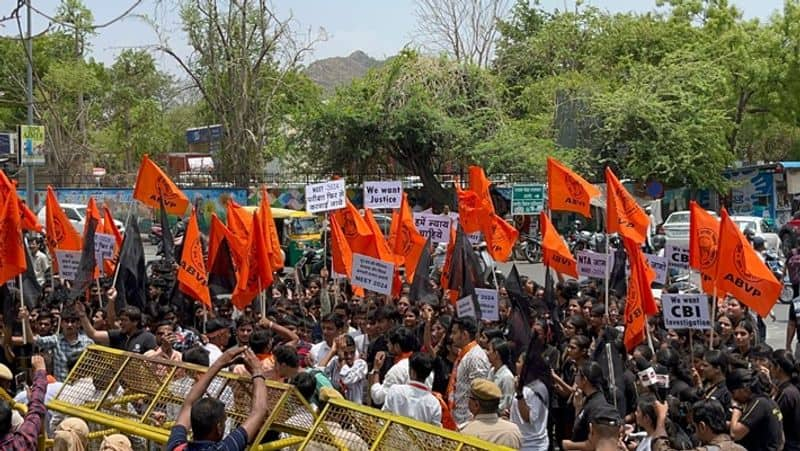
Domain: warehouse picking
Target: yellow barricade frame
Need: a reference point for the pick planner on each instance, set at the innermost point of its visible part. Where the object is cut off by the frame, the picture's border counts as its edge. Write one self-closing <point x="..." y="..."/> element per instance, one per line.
<point x="344" y="426"/>
<point x="140" y="396"/>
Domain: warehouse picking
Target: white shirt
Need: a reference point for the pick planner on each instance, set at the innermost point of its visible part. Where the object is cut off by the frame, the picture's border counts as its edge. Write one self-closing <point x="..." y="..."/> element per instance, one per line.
<point x="319" y="351"/>
<point x="348" y="379"/>
<point x="473" y="365"/>
<point x="534" y="431"/>
<point x="214" y="353"/>
<point x="504" y="379"/>
<point x="397" y="374"/>
<point x="415" y="401"/>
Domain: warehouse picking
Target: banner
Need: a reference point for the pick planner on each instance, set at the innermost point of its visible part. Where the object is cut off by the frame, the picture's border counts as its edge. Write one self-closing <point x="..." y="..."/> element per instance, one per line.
<point x="659" y="265"/>
<point x="465" y="307"/>
<point x="488" y="302"/>
<point x="325" y="196"/>
<point x="372" y="274"/>
<point x="103" y="248"/>
<point x="68" y="262"/>
<point x="383" y="195"/>
<point x="685" y="311"/>
<point x="677" y="256"/>
<point x="593" y="264"/>
<point x="435" y="227"/>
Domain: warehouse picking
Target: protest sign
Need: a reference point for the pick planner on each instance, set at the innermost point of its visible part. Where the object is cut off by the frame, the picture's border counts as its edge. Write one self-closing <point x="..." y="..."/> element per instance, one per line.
<point x="68" y="262"/>
<point x="677" y="256"/>
<point x="386" y="195"/>
<point x="103" y="248"/>
<point x="593" y="264"/>
<point x="465" y="307"/>
<point x="325" y="196"/>
<point x="372" y="274"/>
<point x="685" y="311"/>
<point x="488" y="303"/>
<point x="659" y="265"/>
<point x="435" y="227"/>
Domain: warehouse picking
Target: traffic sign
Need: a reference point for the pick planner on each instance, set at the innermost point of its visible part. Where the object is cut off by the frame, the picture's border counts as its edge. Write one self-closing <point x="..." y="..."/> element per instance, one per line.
<point x="527" y="199"/>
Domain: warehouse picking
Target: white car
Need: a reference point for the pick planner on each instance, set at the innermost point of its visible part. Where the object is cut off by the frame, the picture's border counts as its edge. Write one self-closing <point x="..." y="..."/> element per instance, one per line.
<point x="76" y="213"/>
<point x="760" y="227"/>
<point x="676" y="227"/>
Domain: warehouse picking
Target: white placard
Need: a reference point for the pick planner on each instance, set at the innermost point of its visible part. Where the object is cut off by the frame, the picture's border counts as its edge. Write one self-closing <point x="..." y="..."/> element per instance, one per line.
<point x="465" y="307"/>
<point x="435" y="227"/>
<point x="325" y="196"/>
<point x="68" y="262"/>
<point x="659" y="265"/>
<point x="475" y="238"/>
<point x="386" y="195"/>
<point x="103" y="248"/>
<point x="488" y="302"/>
<point x="372" y="274"/>
<point x="677" y="256"/>
<point x="593" y="264"/>
<point x="685" y="311"/>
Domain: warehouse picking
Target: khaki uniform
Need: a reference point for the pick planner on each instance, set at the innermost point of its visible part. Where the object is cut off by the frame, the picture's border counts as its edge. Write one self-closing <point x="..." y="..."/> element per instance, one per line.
<point x="492" y="428"/>
<point x="722" y="442"/>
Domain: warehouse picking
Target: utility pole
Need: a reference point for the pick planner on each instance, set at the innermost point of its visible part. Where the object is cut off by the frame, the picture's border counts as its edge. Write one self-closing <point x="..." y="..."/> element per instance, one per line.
<point x="29" y="168"/>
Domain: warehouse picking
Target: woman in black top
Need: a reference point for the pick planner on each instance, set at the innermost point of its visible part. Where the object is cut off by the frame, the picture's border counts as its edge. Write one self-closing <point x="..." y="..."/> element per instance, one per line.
<point x="755" y="418"/>
<point x="588" y="402"/>
<point x="783" y="370"/>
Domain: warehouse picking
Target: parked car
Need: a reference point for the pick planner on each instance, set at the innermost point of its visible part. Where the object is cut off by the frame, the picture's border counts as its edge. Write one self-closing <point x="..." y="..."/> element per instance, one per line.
<point x="760" y="227"/>
<point x="676" y="227"/>
<point x="76" y="213"/>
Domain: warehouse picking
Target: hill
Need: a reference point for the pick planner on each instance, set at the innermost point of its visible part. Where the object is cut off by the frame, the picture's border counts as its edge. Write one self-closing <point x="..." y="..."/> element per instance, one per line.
<point x="331" y="73"/>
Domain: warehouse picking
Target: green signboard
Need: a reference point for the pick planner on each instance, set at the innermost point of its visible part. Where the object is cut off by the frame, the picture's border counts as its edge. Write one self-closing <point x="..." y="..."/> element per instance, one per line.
<point x="527" y="199"/>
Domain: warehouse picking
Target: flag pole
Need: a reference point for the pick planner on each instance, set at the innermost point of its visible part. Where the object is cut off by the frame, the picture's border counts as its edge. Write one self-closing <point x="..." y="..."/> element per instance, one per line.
<point x="649" y="335"/>
<point x="608" y="276"/>
<point x="22" y="301"/>
<point x="713" y="314"/>
<point x="99" y="293"/>
<point x="125" y="237"/>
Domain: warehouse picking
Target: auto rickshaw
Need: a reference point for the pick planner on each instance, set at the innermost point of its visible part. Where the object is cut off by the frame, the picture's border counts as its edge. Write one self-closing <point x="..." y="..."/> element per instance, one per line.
<point x="297" y="231"/>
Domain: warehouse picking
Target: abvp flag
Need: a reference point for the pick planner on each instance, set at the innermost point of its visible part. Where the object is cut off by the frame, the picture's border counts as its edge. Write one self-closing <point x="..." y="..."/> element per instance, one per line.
<point x="741" y="272"/>
<point x="703" y="243"/>
<point x="12" y="249"/>
<point x="568" y="191"/>
<point x="341" y="255"/>
<point x="29" y="220"/>
<point x="153" y="186"/>
<point x="639" y="297"/>
<point x="405" y="240"/>
<point x="500" y="238"/>
<point x="255" y="273"/>
<point x="556" y="253"/>
<point x="624" y="215"/>
<point x="268" y="223"/>
<point x="192" y="275"/>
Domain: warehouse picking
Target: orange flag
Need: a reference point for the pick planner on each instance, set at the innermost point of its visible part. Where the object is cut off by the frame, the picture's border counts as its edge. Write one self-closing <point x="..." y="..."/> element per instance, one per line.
<point x="472" y="212"/>
<point x="239" y="223"/>
<point x="555" y="252"/>
<point x="500" y="238"/>
<point x="341" y="256"/>
<point x="60" y="232"/>
<point x="639" y="296"/>
<point x="568" y="191"/>
<point x="192" y="275"/>
<point x="29" y="220"/>
<point x="624" y="215"/>
<point x="93" y="212"/>
<point x="703" y="242"/>
<point x="267" y="221"/>
<point x="741" y="272"/>
<point x="109" y="227"/>
<point x="405" y="240"/>
<point x="216" y="233"/>
<point x="479" y="184"/>
<point x="12" y="249"/>
<point x="356" y="231"/>
<point x="382" y="249"/>
<point x="152" y="184"/>
<point x="255" y="273"/>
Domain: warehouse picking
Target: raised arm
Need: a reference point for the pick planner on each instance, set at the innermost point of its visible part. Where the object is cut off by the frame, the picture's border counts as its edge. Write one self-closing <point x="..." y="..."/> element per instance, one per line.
<point x="111" y="307"/>
<point x="99" y="336"/>
<point x="291" y="337"/>
<point x="255" y="420"/>
<point x="198" y="389"/>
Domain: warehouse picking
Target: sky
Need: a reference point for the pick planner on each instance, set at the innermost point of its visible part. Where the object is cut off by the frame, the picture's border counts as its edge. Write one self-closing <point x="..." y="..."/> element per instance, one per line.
<point x="380" y="28"/>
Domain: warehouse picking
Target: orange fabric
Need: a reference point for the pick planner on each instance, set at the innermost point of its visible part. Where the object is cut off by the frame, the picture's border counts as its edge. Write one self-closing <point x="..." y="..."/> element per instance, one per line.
<point x="568" y="191"/>
<point x="703" y="242"/>
<point x="255" y="273"/>
<point x="382" y="250"/>
<point x="152" y="184"/>
<point x="192" y="275"/>
<point x="639" y="295"/>
<point x="555" y="252"/>
<point x="405" y="240"/>
<point x="479" y="184"/>
<point x="472" y="213"/>
<point x="216" y="233"/>
<point x="636" y="257"/>
<point x="447" y="415"/>
<point x="93" y="212"/>
<point x="356" y="231"/>
<point x="500" y="238"/>
<point x="109" y="227"/>
<point x="741" y="272"/>
<point x="444" y="280"/>
<point x="29" y="220"/>
<point x="240" y="223"/>
<point x="268" y="222"/>
<point x="451" y="383"/>
<point x="624" y="215"/>
<point x="341" y="256"/>
<point x="12" y="248"/>
<point x="60" y="232"/>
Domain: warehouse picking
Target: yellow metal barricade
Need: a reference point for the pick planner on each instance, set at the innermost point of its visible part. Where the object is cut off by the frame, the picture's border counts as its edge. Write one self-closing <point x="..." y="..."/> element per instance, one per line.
<point x="141" y="397"/>
<point x="344" y="426"/>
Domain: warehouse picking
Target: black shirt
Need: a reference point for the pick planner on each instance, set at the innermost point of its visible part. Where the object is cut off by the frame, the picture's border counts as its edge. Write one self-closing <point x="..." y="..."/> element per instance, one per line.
<point x="580" y="432"/>
<point x="721" y="393"/>
<point x="140" y="341"/>
<point x="763" y="420"/>
<point x="789" y="402"/>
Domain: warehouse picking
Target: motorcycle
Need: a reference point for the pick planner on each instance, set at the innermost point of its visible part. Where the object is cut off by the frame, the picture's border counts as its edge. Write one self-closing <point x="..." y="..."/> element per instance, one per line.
<point x="488" y="267"/>
<point x="528" y="248"/>
<point x="776" y="266"/>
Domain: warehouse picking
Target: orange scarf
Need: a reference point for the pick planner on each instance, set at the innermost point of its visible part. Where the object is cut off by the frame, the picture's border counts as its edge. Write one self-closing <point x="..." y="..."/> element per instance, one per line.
<point x="451" y="383"/>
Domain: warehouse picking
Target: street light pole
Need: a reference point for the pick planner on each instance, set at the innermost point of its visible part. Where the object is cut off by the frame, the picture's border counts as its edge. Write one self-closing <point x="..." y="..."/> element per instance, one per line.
<point x="29" y="187"/>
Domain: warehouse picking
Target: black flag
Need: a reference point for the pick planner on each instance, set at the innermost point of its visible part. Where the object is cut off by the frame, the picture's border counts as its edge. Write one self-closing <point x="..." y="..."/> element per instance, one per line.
<point x="85" y="274"/>
<point x="617" y="277"/>
<point x="131" y="280"/>
<point x="167" y="242"/>
<point x="465" y="271"/>
<point x="421" y="289"/>
<point x="31" y="290"/>
<point x="519" y="321"/>
<point x="221" y="276"/>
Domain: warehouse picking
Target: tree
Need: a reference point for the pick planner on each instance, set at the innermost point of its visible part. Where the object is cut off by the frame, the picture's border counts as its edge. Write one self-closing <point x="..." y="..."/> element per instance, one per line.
<point x="464" y="29"/>
<point x="246" y="62"/>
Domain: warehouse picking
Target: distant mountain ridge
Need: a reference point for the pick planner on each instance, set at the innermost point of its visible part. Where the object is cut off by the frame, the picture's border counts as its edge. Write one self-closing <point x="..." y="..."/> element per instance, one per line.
<point x="330" y="73"/>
